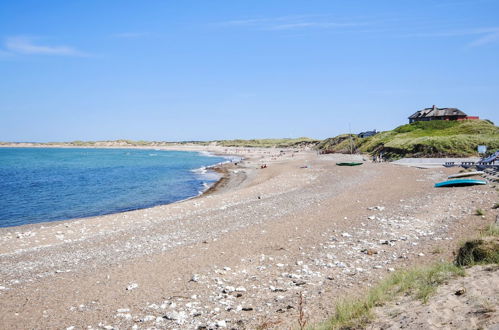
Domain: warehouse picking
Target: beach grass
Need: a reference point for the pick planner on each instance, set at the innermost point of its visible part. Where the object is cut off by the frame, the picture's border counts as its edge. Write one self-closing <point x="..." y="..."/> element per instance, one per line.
<point x="420" y="283"/>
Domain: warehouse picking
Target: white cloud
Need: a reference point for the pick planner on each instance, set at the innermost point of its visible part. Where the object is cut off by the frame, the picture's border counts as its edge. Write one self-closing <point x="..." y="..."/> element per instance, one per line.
<point x="129" y="35"/>
<point x="486" y="39"/>
<point x="292" y="23"/>
<point x="484" y="36"/>
<point x="319" y="25"/>
<point x="26" y="45"/>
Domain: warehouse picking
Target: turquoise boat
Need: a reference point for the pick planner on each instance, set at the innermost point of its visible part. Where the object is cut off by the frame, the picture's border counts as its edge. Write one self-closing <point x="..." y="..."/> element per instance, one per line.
<point x="459" y="182"/>
<point x="349" y="164"/>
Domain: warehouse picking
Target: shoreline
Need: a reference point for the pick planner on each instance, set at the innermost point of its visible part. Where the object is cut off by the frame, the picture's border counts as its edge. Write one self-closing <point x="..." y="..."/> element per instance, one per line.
<point x="219" y="168"/>
<point x="240" y="255"/>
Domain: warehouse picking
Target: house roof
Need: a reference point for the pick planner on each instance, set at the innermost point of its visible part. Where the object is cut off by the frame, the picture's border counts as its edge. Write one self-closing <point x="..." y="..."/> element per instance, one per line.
<point x="437" y="112"/>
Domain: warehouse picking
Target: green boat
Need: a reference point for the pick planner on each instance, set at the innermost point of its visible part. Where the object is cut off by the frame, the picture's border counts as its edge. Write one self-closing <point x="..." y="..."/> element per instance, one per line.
<point x="349" y="164"/>
<point x="460" y="182"/>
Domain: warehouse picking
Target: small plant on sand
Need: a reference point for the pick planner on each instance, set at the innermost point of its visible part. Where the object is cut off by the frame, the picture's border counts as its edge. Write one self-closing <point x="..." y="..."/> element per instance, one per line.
<point x="496" y="206"/>
<point x="483" y="250"/>
<point x="302" y="318"/>
<point x="437" y="250"/>
<point x="420" y="283"/>
<point x="479" y="212"/>
<point x="492" y="230"/>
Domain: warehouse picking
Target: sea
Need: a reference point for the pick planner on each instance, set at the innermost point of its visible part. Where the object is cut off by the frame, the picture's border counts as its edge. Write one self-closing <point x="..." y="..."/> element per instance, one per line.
<point x="51" y="184"/>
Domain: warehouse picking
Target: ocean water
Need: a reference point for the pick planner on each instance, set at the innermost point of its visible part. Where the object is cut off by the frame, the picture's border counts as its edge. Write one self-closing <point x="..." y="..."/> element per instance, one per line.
<point x="45" y="184"/>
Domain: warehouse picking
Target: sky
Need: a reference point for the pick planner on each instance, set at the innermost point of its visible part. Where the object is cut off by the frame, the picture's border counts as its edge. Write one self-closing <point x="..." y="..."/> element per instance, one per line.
<point x="207" y="70"/>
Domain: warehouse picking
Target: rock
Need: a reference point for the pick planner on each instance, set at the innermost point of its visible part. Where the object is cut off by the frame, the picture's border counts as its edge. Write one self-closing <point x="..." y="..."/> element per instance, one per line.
<point x="123" y="310"/>
<point x="228" y="289"/>
<point x="274" y="289"/>
<point x="221" y="324"/>
<point x="148" y="318"/>
<point x="346" y="235"/>
<point x="369" y="252"/>
<point x="194" y="278"/>
<point x="132" y="286"/>
<point x="299" y="283"/>
<point x="460" y="292"/>
<point x="178" y="317"/>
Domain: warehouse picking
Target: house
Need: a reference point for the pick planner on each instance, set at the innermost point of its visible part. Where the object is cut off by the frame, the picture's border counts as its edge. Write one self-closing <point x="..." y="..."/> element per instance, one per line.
<point x="435" y="113"/>
<point x="367" y="134"/>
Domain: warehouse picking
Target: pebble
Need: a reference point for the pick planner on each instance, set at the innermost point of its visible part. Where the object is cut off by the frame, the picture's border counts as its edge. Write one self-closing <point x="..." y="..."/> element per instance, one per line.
<point x="132" y="286"/>
<point x="221" y="324"/>
<point x="178" y="317"/>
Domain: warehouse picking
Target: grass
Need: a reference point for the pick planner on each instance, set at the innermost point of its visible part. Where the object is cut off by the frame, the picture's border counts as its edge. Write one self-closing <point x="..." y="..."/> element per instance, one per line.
<point x="420" y="283"/>
<point x="492" y="230"/>
<point x="437" y="138"/>
<point x="480" y="251"/>
<point x="267" y="143"/>
<point x="496" y="206"/>
<point x="479" y="212"/>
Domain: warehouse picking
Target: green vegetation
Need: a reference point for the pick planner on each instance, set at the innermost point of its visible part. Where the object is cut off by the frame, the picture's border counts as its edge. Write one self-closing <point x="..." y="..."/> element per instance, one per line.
<point x="484" y="250"/>
<point x="436" y="138"/>
<point x="479" y="212"/>
<point x="420" y="283"/>
<point x="344" y="143"/>
<point x="492" y="230"/>
<point x="261" y="143"/>
<point x="266" y="143"/>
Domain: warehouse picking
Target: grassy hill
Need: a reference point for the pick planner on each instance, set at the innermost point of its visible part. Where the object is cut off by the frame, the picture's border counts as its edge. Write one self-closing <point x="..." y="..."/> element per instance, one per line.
<point x="423" y="139"/>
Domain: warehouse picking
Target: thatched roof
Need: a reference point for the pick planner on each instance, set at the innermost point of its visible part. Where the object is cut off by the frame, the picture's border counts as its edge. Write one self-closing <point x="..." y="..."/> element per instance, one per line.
<point x="437" y="112"/>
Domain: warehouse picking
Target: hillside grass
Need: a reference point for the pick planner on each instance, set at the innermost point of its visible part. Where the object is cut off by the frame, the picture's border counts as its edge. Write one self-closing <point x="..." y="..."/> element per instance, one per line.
<point x="436" y="138"/>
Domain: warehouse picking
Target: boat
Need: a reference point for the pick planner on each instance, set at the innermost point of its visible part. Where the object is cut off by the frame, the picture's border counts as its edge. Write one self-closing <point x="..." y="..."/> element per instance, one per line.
<point x="459" y="182"/>
<point x="349" y="164"/>
<point x="464" y="174"/>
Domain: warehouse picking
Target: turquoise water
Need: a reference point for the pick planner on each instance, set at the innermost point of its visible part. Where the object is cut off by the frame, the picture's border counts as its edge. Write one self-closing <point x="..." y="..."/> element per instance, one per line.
<point x="45" y="184"/>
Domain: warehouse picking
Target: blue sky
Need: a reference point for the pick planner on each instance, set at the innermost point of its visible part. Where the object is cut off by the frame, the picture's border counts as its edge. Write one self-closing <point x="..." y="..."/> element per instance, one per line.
<point x="203" y="70"/>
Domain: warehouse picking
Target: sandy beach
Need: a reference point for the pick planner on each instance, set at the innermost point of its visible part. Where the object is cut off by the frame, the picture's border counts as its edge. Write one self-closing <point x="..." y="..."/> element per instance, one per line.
<point x="240" y="255"/>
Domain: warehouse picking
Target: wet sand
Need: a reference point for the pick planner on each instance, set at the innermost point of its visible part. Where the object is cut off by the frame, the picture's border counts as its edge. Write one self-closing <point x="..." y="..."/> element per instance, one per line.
<point x="239" y="256"/>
